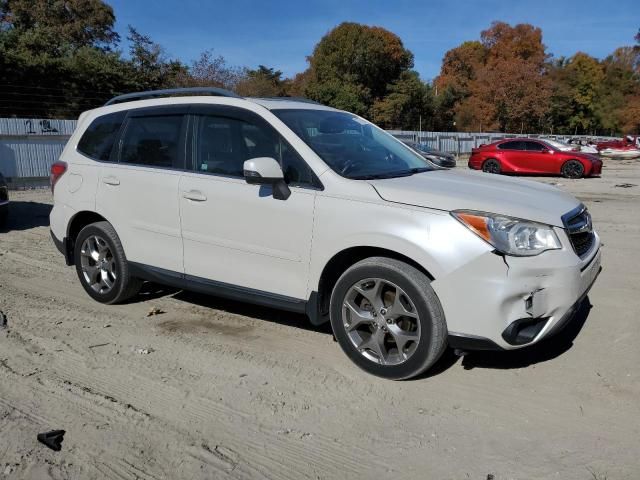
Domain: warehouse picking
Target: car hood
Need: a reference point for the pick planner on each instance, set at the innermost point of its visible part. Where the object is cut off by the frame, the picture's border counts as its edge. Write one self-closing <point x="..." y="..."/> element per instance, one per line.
<point x="454" y="190"/>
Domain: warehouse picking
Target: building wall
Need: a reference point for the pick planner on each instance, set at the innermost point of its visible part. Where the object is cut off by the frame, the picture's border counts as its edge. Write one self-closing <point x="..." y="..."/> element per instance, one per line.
<point x="28" y="146"/>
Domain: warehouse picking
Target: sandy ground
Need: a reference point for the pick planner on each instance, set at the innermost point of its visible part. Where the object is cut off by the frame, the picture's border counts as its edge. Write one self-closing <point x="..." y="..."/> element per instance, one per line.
<point x="218" y="389"/>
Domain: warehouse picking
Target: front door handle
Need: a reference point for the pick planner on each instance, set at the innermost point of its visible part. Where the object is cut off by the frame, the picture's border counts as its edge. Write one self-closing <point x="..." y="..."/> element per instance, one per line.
<point x="195" y="195"/>
<point x="111" y="181"/>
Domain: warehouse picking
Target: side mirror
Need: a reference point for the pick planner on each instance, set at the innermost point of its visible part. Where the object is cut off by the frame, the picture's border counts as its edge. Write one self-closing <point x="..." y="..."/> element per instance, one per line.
<point x="267" y="171"/>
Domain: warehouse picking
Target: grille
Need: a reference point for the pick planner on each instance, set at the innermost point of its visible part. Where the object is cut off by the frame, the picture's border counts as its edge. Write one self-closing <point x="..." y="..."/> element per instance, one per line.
<point x="579" y="229"/>
<point x="582" y="242"/>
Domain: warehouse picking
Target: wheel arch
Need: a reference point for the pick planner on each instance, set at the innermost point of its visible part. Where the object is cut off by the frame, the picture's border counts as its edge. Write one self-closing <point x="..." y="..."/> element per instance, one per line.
<point x="339" y="263"/>
<point x="76" y="224"/>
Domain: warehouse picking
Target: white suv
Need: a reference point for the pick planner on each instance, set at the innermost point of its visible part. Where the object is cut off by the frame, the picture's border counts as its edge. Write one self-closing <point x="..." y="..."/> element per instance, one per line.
<point x="294" y="205"/>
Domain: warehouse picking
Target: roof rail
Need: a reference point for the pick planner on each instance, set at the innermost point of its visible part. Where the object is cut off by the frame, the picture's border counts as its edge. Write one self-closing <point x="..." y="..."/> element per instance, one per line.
<point x="175" y="92"/>
<point x="286" y="99"/>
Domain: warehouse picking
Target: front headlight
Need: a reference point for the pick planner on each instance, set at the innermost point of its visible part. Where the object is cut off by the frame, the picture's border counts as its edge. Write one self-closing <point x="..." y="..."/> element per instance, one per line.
<point x="508" y="235"/>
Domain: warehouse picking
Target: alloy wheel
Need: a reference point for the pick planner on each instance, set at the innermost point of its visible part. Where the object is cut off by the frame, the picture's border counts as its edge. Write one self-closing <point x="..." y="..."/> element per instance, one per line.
<point x="573" y="169"/>
<point x="381" y="321"/>
<point x="98" y="264"/>
<point x="491" y="166"/>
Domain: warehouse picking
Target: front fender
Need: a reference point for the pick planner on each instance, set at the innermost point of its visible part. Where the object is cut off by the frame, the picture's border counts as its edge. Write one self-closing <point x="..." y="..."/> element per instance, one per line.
<point x="431" y="238"/>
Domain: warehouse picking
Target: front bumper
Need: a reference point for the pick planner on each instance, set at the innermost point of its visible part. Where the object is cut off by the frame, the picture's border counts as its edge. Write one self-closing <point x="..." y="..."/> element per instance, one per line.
<point x="502" y="302"/>
<point x="596" y="167"/>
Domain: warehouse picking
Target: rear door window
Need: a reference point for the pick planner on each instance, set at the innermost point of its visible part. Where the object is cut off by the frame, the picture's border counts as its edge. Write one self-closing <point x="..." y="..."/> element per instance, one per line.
<point x="514" y="145"/>
<point x="153" y="140"/>
<point x="534" y="146"/>
<point x="98" y="140"/>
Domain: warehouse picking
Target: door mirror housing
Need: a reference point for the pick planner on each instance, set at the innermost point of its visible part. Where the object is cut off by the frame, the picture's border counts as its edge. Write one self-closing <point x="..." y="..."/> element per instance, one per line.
<point x="266" y="171"/>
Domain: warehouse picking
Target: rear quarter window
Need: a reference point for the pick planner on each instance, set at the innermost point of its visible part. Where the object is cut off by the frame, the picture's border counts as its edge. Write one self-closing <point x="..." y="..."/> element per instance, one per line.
<point x="99" y="138"/>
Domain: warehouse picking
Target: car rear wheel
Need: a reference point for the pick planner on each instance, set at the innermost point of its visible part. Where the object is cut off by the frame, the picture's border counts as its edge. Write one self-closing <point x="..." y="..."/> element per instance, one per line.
<point x="572" y="169"/>
<point x="491" y="166"/>
<point x="102" y="265"/>
<point x="387" y="318"/>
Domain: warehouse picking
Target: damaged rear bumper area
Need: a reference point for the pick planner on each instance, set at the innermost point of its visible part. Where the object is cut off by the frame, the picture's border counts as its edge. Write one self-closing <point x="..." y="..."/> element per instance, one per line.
<point x="502" y="302"/>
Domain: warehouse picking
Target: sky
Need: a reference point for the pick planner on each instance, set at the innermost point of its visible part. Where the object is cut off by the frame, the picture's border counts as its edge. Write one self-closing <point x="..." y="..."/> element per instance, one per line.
<point x="282" y="33"/>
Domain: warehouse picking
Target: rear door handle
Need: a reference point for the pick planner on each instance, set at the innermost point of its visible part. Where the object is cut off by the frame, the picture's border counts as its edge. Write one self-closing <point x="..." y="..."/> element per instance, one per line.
<point x="111" y="181"/>
<point x="195" y="195"/>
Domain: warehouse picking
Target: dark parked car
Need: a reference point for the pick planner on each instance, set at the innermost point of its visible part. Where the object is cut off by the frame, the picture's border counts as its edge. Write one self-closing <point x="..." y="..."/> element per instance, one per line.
<point x="529" y="156"/>
<point x="4" y="200"/>
<point x="442" y="159"/>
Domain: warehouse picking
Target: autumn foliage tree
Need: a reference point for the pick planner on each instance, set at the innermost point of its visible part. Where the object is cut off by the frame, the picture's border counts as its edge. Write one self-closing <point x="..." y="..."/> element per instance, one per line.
<point x="508" y="82"/>
<point x="499" y="83"/>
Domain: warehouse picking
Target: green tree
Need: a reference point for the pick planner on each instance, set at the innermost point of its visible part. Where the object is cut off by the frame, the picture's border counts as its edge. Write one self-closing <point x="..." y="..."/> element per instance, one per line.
<point x="55" y="27"/>
<point x="58" y="57"/>
<point x="407" y="104"/>
<point x="577" y="84"/>
<point x="353" y="64"/>
<point x="262" y="82"/>
<point x="152" y="68"/>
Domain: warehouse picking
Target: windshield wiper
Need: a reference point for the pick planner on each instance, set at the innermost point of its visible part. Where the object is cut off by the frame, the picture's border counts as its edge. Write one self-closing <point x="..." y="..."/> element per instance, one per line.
<point x="403" y="173"/>
<point x="378" y="176"/>
<point x="420" y="170"/>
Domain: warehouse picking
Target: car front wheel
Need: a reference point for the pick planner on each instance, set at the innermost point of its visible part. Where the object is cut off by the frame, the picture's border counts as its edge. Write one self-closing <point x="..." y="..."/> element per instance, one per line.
<point x="102" y="265"/>
<point x="572" y="169"/>
<point x="387" y="318"/>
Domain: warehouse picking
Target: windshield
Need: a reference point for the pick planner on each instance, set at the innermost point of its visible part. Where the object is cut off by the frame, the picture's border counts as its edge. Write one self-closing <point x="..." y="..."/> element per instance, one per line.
<point x="558" y="145"/>
<point x="351" y="146"/>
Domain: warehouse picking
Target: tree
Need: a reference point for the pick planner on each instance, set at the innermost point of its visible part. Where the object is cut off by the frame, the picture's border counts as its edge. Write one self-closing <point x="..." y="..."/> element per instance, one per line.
<point x="620" y="85"/>
<point x="353" y="65"/>
<point x="152" y="68"/>
<point x="577" y="85"/>
<point x="460" y="67"/>
<point x="501" y="82"/>
<point x="57" y="57"/>
<point x="210" y="70"/>
<point x="55" y="27"/>
<point x="406" y="101"/>
<point x="262" y="82"/>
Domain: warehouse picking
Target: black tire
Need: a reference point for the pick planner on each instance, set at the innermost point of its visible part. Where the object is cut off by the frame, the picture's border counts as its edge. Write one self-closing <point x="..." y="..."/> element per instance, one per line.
<point x="491" y="166"/>
<point x="433" y="330"/>
<point x="125" y="286"/>
<point x="572" y="169"/>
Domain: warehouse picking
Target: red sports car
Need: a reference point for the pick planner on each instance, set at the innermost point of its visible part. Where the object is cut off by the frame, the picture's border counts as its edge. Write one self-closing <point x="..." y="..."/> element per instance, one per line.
<point x="532" y="156"/>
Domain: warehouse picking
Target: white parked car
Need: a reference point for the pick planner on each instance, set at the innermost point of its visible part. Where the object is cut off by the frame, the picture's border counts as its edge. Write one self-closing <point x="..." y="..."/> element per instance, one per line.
<point x="294" y="205"/>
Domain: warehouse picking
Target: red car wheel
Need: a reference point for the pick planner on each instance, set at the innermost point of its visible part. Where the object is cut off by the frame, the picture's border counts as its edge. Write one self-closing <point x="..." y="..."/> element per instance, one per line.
<point x="491" y="166"/>
<point x="572" y="169"/>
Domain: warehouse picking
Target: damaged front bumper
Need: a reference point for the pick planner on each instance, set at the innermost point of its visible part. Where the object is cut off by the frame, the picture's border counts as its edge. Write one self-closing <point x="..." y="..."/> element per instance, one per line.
<point x="503" y="302"/>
